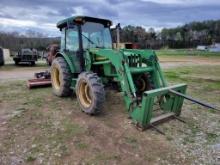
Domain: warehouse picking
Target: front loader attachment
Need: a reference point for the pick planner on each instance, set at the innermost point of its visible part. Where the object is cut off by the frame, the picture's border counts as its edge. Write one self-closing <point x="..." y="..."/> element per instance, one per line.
<point x="148" y="98"/>
<point x="158" y="105"/>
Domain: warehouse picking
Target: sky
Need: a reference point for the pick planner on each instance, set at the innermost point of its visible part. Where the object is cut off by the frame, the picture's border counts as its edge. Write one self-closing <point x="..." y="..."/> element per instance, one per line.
<point x="42" y="15"/>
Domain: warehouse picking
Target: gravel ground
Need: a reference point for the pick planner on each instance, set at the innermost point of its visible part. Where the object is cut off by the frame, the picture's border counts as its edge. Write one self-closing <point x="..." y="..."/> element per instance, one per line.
<point x="44" y="129"/>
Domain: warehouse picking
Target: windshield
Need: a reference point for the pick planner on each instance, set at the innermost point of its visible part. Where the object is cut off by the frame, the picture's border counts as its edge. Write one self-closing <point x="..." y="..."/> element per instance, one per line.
<point x="96" y="35"/>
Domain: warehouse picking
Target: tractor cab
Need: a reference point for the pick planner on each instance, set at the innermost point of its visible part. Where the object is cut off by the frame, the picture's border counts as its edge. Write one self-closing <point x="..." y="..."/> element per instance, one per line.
<point x="85" y="32"/>
<point x="81" y="33"/>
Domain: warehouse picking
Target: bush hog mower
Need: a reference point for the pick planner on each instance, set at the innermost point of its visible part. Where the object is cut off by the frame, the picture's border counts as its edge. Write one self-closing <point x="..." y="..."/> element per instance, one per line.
<point x="87" y="63"/>
<point x="42" y="79"/>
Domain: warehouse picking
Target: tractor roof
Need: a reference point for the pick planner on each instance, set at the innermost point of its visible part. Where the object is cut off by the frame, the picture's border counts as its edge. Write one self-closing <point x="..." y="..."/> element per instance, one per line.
<point x="82" y="19"/>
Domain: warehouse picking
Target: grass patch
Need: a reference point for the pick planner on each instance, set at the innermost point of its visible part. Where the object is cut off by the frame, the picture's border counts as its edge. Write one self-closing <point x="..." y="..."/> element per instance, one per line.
<point x="212" y="86"/>
<point x="188" y="139"/>
<point x="81" y="145"/>
<point x="205" y="77"/>
<point x="169" y="138"/>
<point x="7" y="67"/>
<point x="70" y="129"/>
<point x="131" y="140"/>
<point x="66" y="130"/>
<point x="172" y="75"/>
<point x="211" y="137"/>
<point x="12" y="66"/>
<point x="103" y="158"/>
<point x="185" y="52"/>
<point x="30" y="158"/>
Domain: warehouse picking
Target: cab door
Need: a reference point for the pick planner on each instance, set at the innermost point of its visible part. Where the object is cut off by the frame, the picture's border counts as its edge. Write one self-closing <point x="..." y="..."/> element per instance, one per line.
<point x="70" y="43"/>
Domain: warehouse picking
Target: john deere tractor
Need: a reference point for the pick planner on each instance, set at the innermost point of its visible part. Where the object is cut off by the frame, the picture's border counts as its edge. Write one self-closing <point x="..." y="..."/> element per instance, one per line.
<point x="87" y="63"/>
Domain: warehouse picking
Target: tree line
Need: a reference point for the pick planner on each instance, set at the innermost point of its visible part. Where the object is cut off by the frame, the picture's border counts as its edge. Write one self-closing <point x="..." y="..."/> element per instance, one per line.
<point x="31" y="39"/>
<point x="187" y="36"/>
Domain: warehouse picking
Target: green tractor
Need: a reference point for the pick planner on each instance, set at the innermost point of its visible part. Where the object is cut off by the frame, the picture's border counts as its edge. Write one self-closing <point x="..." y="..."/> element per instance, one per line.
<point x="87" y="63"/>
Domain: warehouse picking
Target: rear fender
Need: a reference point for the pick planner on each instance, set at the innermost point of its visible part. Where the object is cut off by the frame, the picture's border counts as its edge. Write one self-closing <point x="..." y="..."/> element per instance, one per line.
<point x="67" y="59"/>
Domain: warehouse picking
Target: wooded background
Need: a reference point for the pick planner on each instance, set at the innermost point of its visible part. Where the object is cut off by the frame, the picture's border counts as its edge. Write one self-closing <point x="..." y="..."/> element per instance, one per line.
<point x="187" y="36"/>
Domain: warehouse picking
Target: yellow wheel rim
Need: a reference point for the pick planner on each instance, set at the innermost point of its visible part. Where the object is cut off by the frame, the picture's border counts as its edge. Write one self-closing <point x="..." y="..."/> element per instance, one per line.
<point x="85" y="94"/>
<point x="56" y="78"/>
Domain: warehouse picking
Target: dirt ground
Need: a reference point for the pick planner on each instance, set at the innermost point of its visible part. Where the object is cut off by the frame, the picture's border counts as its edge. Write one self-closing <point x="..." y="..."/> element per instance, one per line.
<point x="38" y="128"/>
<point x="172" y="62"/>
<point x="20" y="72"/>
<point x="23" y="72"/>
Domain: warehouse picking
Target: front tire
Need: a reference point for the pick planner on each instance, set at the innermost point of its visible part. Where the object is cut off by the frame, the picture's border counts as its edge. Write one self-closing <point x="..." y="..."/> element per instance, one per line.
<point x="90" y="92"/>
<point x="60" y="77"/>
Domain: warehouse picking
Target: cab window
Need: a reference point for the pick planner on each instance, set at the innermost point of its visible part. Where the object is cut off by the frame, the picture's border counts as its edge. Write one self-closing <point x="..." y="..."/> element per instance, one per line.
<point x="63" y="38"/>
<point x="72" y="39"/>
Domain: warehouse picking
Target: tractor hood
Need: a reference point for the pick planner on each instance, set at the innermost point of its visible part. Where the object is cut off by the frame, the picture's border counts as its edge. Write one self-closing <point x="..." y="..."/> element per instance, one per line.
<point x="126" y="52"/>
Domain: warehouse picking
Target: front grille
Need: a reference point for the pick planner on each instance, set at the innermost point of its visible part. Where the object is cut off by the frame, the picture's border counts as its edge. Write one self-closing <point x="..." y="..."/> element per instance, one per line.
<point x="134" y="60"/>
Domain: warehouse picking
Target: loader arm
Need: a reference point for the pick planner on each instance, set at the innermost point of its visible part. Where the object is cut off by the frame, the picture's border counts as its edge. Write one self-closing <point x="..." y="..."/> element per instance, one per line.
<point x="128" y="64"/>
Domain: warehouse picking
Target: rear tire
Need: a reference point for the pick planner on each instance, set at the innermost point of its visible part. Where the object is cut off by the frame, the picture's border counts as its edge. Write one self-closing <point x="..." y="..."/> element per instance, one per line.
<point x="1" y="57"/>
<point x="90" y="93"/>
<point x="60" y="77"/>
<point x="16" y="62"/>
<point x="2" y="63"/>
<point x="32" y="63"/>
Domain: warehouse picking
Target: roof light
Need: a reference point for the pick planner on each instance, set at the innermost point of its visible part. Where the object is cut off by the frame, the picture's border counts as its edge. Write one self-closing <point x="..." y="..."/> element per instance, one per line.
<point x="78" y="20"/>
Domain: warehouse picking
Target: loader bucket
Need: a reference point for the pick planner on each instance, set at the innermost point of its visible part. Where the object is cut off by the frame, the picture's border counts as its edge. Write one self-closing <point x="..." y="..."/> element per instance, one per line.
<point x="158" y="105"/>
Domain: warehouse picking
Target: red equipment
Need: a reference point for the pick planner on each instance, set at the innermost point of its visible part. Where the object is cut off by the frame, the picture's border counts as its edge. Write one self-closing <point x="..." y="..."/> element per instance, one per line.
<point x="42" y="79"/>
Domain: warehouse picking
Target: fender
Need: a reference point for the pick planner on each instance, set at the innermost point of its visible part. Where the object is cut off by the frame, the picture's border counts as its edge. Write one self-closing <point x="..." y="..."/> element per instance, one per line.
<point x="67" y="59"/>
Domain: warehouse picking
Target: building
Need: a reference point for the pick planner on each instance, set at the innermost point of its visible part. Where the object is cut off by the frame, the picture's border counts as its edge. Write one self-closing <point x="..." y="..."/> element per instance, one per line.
<point x="215" y="47"/>
<point x="6" y="54"/>
<point x="202" y="47"/>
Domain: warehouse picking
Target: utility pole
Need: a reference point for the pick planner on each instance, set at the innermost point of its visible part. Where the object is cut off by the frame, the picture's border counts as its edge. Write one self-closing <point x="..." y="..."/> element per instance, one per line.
<point x="118" y="35"/>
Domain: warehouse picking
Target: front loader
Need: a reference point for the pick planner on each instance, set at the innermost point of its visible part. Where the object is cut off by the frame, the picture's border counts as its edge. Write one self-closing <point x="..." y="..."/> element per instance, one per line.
<point x="87" y="63"/>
